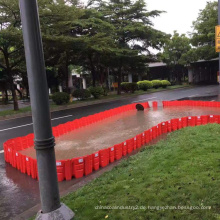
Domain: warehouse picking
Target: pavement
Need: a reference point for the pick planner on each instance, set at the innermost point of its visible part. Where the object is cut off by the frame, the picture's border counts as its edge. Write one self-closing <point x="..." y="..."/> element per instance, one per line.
<point x="18" y="192"/>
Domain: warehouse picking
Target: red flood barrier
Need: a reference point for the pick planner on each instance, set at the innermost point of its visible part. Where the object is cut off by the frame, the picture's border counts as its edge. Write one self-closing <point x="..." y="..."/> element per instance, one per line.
<point x="88" y="164"/>
<point x="164" y="127"/>
<point x="95" y="160"/>
<point x="118" y="151"/>
<point x="155" y="104"/>
<point x="104" y="157"/>
<point x="85" y="165"/>
<point x="130" y="145"/>
<point x="60" y="170"/>
<point x="78" y="167"/>
<point x="124" y="148"/>
<point x="111" y="154"/>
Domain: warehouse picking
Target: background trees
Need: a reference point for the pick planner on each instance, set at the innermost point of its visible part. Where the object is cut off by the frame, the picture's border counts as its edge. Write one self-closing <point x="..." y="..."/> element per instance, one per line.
<point x="114" y="36"/>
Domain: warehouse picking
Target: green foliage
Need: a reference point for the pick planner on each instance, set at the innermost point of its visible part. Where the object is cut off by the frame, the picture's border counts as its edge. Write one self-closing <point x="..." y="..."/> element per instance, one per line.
<point x="60" y="98"/>
<point x="145" y="85"/>
<point x="203" y="36"/>
<point x="165" y="83"/>
<point x="156" y="84"/>
<point x="129" y="87"/>
<point x="96" y="91"/>
<point x="81" y="94"/>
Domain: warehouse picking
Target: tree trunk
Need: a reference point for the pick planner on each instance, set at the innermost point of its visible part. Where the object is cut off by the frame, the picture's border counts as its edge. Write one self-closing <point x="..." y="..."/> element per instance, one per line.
<point x="3" y="97"/>
<point x="20" y="93"/>
<point x="93" y="72"/>
<point x="119" y="80"/>
<point x="15" y="100"/>
<point x="6" y="96"/>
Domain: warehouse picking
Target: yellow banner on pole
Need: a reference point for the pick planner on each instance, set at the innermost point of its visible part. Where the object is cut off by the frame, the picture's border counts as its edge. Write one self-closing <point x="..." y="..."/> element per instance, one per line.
<point x="217" y="39"/>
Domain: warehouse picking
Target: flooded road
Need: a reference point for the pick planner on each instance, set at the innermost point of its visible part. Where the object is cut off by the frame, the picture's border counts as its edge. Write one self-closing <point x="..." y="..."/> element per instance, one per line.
<point x="117" y="129"/>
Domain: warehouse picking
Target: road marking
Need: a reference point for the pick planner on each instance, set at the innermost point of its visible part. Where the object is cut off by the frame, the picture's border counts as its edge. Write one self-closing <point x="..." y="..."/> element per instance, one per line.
<point x="193" y="95"/>
<point x="144" y="99"/>
<point x="20" y="126"/>
<point x="61" y="117"/>
<point x="1" y="151"/>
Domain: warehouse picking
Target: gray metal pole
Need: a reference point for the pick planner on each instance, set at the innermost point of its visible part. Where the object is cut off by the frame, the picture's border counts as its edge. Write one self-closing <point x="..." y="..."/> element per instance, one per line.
<point x="219" y="24"/>
<point x="44" y="140"/>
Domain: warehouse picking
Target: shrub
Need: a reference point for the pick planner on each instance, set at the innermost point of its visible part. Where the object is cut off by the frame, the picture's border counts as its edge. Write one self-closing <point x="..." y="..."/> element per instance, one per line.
<point x="81" y="94"/>
<point x="105" y="91"/>
<point x="145" y="85"/>
<point x="96" y="91"/>
<point x="156" y="84"/>
<point x="60" y="98"/>
<point x="165" y="83"/>
<point x="129" y="87"/>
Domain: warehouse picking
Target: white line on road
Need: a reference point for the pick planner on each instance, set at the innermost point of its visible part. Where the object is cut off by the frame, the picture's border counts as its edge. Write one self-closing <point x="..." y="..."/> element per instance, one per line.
<point x="144" y="99"/>
<point x="193" y="95"/>
<point x="20" y="126"/>
<point x="61" y="117"/>
<point x="1" y="151"/>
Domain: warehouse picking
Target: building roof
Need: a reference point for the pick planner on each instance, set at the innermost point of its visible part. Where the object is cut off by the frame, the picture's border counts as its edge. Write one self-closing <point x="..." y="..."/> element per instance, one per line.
<point x="158" y="64"/>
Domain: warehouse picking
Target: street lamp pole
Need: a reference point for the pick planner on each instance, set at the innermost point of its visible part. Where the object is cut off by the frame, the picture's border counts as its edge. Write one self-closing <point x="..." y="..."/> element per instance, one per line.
<point x="219" y="24"/>
<point x="44" y="140"/>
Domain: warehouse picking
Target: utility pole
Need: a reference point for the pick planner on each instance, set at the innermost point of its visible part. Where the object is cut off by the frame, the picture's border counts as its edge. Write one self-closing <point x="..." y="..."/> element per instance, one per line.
<point x="219" y="24"/>
<point x="44" y="140"/>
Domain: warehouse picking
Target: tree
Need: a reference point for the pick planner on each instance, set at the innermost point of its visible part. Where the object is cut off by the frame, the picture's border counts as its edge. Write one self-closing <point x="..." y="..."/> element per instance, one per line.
<point x="203" y="36"/>
<point x="133" y="33"/>
<point x="176" y="52"/>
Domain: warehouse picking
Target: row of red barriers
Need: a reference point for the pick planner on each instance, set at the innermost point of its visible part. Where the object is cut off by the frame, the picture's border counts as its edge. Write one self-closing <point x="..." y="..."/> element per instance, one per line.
<point x="78" y="167"/>
<point x="191" y="103"/>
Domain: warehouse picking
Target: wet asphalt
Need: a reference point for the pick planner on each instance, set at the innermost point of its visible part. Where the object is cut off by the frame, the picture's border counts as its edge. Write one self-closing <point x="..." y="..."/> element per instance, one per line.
<point x="18" y="192"/>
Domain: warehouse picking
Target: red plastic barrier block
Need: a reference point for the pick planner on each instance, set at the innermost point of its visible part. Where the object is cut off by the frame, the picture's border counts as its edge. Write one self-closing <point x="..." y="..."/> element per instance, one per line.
<point x="130" y="145"/>
<point x="124" y="148"/>
<point x="68" y="170"/>
<point x="216" y="119"/>
<point x="164" y="127"/>
<point x="24" y="143"/>
<point x="30" y="140"/>
<point x="180" y="125"/>
<point x="13" y="158"/>
<point x="88" y="164"/>
<point x="155" y="104"/>
<point x="198" y="120"/>
<point x="118" y="151"/>
<point x="211" y="119"/>
<point x="143" y="139"/>
<point x="204" y="119"/>
<point x="78" y="167"/>
<point x="169" y="127"/>
<point x="5" y="147"/>
<point x="95" y="160"/>
<point x="28" y="166"/>
<point x="104" y="157"/>
<point x="154" y="132"/>
<point x="23" y="161"/>
<point x="159" y="127"/>
<point x="33" y="168"/>
<point x="174" y="124"/>
<point x="139" y="140"/>
<point x="60" y="170"/>
<point x="191" y="121"/>
<point x="146" y="136"/>
<point x="184" y="122"/>
<point x="111" y="154"/>
<point x="135" y="143"/>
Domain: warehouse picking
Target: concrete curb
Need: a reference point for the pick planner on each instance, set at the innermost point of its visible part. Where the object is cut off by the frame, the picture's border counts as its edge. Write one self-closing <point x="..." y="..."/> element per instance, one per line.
<point x="89" y="103"/>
